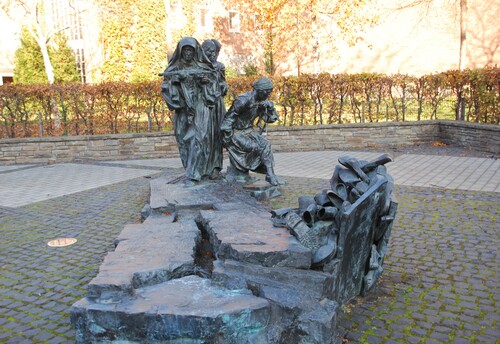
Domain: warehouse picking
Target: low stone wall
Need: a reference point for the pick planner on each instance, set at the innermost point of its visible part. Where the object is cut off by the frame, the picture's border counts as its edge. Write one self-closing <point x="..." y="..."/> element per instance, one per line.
<point x="344" y="136"/>
<point x="48" y="150"/>
<point x="481" y="137"/>
<point x="84" y="148"/>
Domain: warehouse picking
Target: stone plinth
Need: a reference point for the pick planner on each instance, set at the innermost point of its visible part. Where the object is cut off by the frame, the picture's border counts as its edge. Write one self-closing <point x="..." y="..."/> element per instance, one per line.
<point x="145" y="254"/>
<point x="189" y="310"/>
<point x="208" y="266"/>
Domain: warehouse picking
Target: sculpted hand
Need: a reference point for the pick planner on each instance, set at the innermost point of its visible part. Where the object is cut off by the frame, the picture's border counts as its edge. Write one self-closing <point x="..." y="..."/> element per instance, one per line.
<point x="226" y="137"/>
<point x="204" y="79"/>
<point x="182" y="76"/>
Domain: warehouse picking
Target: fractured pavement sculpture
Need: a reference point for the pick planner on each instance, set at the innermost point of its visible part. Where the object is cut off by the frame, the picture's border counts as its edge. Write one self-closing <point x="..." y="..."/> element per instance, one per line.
<point x="210" y="264"/>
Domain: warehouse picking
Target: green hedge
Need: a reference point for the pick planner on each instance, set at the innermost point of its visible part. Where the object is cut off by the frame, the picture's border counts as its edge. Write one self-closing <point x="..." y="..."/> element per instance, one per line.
<point x="82" y="109"/>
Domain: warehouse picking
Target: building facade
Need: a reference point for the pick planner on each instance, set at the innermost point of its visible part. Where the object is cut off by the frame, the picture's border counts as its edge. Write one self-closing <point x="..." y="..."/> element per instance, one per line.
<point x="414" y="40"/>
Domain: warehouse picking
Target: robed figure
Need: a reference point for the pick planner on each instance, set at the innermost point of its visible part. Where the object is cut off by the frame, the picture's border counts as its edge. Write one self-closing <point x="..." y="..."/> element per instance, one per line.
<point x="247" y="148"/>
<point x="190" y="89"/>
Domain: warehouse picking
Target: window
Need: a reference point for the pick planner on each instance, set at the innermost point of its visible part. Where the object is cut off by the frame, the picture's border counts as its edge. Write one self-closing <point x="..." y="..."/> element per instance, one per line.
<point x="234" y="21"/>
<point x="205" y="21"/>
<point x="80" y="62"/>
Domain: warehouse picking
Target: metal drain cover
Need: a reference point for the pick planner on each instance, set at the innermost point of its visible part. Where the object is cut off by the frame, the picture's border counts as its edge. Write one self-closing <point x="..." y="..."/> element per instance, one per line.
<point x="60" y="242"/>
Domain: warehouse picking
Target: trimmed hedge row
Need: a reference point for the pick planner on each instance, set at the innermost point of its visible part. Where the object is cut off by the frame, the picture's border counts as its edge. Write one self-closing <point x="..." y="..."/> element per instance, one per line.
<point x="82" y="109"/>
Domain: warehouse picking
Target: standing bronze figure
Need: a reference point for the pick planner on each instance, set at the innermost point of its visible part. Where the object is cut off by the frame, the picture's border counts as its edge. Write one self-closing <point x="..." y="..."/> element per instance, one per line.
<point x="248" y="149"/>
<point x="211" y="48"/>
<point x="191" y="89"/>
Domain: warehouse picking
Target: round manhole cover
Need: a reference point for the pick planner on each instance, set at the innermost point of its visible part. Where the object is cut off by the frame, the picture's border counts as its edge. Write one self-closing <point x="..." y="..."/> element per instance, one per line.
<point x="60" y="242"/>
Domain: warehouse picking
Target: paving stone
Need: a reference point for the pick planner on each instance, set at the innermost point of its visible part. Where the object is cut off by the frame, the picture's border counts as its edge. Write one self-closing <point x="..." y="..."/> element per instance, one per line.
<point x="440" y="336"/>
<point x="44" y="337"/>
<point x="421" y="332"/>
<point x="432" y="341"/>
<point x="486" y="338"/>
<point x="381" y="332"/>
<point x="398" y="335"/>
<point x="16" y="340"/>
<point x="374" y="339"/>
<point x="461" y="341"/>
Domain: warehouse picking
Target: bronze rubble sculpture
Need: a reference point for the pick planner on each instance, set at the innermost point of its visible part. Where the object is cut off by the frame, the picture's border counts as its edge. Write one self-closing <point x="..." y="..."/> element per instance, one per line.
<point x="349" y="222"/>
<point x="191" y="88"/>
<point x="248" y="149"/>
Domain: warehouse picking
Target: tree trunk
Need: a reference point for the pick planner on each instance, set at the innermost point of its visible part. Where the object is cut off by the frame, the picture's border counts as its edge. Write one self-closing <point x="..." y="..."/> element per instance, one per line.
<point x="462" y="61"/>
<point x="168" y="30"/>
<point x="42" y="40"/>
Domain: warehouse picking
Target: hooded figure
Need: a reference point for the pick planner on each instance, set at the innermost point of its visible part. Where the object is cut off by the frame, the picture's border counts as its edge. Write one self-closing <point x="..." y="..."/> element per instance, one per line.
<point x="190" y="89"/>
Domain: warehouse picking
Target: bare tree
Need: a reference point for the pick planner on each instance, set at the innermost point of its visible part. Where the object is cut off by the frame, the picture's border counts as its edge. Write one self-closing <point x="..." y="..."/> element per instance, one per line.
<point x="33" y="15"/>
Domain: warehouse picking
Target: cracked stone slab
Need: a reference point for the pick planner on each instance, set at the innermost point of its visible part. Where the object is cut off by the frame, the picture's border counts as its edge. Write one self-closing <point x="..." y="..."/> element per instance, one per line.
<point x="145" y="254"/>
<point x="171" y="197"/>
<point x="294" y="294"/>
<point x="250" y="236"/>
<point x="307" y="284"/>
<point x="189" y="307"/>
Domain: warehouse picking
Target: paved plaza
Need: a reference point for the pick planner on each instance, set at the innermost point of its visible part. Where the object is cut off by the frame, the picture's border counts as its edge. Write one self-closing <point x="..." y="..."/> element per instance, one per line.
<point x="441" y="278"/>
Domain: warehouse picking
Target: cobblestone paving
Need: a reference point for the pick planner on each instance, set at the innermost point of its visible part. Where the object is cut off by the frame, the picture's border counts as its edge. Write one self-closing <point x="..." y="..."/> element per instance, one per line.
<point x="442" y="275"/>
<point x="440" y="283"/>
<point x="38" y="283"/>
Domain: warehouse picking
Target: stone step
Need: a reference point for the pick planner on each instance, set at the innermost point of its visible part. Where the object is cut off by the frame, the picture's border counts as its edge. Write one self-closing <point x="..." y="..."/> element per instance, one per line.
<point x="145" y="254"/>
<point x="306" y="285"/>
<point x="188" y="310"/>
<point x="300" y="299"/>
<point x="248" y="235"/>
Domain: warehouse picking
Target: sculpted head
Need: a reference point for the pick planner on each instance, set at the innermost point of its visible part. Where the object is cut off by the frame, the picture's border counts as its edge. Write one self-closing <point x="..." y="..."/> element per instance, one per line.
<point x="210" y="50"/>
<point x="263" y="88"/>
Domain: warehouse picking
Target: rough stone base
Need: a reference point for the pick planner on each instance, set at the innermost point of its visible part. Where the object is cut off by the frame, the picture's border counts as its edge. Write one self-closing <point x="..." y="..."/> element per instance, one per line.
<point x="208" y="266"/>
<point x="262" y="190"/>
<point x="191" y="309"/>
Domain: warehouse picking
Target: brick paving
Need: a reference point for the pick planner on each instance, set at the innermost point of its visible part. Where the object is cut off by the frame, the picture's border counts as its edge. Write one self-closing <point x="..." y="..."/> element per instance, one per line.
<point x="440" y="283"/>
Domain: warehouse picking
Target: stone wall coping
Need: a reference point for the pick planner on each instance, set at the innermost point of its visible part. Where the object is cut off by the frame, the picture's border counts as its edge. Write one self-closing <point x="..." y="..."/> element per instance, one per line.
<point x="481" y="126"/>
<point x="354" y="125"/>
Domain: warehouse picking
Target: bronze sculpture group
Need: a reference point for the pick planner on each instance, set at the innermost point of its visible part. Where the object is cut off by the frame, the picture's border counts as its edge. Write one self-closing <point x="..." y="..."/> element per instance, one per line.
<point x="194" y="87"/>
<point x="223" y="274"/>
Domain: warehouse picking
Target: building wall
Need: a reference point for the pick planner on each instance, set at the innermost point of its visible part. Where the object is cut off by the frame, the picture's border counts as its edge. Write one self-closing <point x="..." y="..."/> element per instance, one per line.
<point x="482" y="137"/>
<point x="416" y="40"/>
